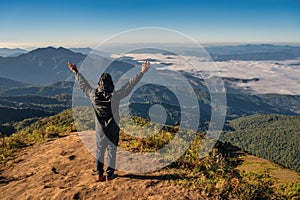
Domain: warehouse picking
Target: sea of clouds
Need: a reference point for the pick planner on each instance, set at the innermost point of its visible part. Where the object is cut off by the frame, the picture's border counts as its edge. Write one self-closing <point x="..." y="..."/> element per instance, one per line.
<point x="281" y="77"/>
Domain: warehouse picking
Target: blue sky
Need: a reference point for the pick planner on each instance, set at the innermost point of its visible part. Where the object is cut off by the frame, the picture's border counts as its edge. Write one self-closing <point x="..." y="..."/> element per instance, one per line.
<point x="87" y="23"/>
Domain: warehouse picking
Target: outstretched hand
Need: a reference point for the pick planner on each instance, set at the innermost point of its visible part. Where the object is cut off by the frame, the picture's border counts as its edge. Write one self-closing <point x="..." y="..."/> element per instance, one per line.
<point x="145" y="66"/>
<point x="72" y="67"/>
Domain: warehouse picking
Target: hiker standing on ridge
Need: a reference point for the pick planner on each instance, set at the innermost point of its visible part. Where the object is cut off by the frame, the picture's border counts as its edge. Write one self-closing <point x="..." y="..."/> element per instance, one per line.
<point x="105" y="101"/>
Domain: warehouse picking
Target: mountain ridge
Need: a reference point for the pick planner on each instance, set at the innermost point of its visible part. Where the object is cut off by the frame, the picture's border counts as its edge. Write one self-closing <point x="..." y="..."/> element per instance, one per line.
<point x="9" y="52"/>
<point x="6" y="83"/>
<point x="40" y="66"/>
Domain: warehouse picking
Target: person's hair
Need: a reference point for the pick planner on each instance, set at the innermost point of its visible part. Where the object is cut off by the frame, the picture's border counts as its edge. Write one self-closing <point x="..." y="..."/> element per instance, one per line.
<point x="106" y="84"/>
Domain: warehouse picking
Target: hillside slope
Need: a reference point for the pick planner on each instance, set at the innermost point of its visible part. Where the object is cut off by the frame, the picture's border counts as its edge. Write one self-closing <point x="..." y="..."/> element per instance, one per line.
<point x="64" y="169"/>
<point x="273" y="137"/>
<point x="45" y="161"/>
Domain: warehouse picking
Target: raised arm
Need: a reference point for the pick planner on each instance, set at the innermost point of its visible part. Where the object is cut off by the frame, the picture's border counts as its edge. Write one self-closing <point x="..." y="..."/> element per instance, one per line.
<point x="82" y="82"/>
<point x="126" y="89"/>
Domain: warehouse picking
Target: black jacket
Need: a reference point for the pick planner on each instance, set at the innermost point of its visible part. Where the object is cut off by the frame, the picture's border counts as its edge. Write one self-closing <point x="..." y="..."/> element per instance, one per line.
<point x="106" y="109"/>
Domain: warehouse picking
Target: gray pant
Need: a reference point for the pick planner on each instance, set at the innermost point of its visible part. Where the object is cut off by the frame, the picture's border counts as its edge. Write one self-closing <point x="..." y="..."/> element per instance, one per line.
<point x="107" y="138"/>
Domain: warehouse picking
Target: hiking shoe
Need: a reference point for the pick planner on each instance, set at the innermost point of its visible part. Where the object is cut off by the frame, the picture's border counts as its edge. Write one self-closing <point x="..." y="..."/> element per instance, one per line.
<point x="111" y="177"/>
<point x="101" y="178"/>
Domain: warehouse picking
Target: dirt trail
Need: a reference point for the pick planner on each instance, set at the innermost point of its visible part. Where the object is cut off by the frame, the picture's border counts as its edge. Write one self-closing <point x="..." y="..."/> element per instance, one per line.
<point x="64" y="169"/>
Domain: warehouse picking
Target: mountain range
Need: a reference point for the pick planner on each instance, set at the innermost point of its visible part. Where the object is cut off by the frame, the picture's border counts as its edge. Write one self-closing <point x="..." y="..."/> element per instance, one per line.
<point x="254" y="52"/>
<point x="40" y="82"/>
<point x="46" y="65"/>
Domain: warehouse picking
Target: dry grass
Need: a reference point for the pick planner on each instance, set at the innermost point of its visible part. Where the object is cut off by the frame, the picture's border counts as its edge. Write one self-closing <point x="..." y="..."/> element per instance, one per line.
<point x="259" y="165"/>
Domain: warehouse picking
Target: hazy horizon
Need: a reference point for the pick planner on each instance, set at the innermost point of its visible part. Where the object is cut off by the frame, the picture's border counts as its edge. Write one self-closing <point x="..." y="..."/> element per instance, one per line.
<point x="216" y="44"/>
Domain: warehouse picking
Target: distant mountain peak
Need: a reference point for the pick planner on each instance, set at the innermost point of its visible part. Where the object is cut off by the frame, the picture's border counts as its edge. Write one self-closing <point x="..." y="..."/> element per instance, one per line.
<point x="51" y="51"/>
<point x="41" y="65"/>
<point x="50" y="48"/>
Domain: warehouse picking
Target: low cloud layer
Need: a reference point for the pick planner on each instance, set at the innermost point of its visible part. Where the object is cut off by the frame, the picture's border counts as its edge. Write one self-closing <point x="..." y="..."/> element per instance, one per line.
<point x="281" y="77"/>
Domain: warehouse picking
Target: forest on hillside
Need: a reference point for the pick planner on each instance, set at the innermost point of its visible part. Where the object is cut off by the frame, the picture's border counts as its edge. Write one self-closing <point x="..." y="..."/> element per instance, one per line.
<point x="273" y="137"/>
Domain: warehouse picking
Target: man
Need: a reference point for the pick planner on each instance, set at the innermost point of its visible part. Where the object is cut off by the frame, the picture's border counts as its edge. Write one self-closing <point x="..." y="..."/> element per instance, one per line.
<point x="105" y="101"/>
